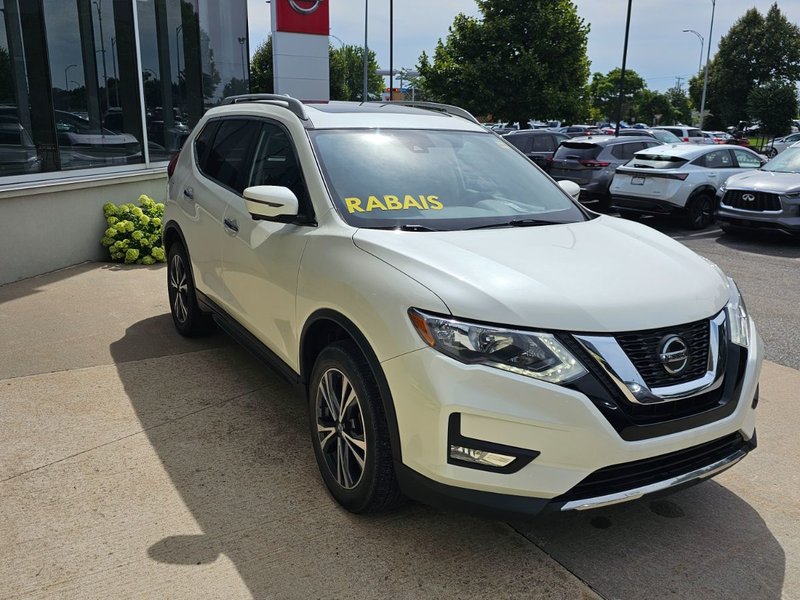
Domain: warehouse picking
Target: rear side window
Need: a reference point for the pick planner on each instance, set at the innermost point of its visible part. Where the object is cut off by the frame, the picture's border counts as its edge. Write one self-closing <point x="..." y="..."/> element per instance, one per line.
<point x="626" y="151"/>
<point x="695" y="133"/>
<point x="577" y="150"/>
<point x="202" y="144"/>
<point x="228" y="159"/>
<point x="520" y="142"/>
<point x="719" y="159"/>
<point x="543" y="143"/>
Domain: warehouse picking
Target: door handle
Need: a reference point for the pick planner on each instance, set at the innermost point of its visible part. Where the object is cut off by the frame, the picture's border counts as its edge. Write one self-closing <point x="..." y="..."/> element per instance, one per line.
<point x="231" y="225"/>
<point x="189" y="193"/>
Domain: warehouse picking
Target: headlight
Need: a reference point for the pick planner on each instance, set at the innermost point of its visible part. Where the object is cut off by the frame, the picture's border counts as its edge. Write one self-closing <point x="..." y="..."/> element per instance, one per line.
<point x="738" y="321"/>
<point x="538" y="355"/>
<point x="723" y="187"/>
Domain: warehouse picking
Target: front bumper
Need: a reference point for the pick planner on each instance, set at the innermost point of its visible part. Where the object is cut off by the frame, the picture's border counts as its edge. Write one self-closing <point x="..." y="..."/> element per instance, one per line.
<point x="571" y="438"/>
<point x="786" y="221"/>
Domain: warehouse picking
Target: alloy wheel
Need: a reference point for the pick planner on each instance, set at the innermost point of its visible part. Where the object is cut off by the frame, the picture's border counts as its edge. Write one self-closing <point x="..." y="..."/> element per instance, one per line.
<point x="340" y="428"/>
<point x="179" y="284"/>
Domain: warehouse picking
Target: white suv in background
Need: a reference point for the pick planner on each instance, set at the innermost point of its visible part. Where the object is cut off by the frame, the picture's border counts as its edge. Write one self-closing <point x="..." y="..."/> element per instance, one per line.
<point x="465" y="332"/>
<point x="678" y="178"/>
<point x="690" y="135"/>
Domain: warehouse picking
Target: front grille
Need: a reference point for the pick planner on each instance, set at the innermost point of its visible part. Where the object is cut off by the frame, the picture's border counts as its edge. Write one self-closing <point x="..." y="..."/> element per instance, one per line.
<point x="643" y="347"/>
<point x="760" y="201"/>
<point x="639" y="473"/>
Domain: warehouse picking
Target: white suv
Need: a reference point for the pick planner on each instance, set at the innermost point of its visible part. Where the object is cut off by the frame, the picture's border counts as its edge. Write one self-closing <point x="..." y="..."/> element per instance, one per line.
<point x="467" y="334"/>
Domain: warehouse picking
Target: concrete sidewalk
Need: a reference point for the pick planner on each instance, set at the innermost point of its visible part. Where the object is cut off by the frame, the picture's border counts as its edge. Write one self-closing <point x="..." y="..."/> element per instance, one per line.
<point x="136" y="463"/>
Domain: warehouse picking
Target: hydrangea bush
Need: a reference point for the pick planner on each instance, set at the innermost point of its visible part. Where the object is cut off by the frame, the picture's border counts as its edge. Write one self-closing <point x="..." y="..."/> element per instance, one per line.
<point x="134" y="232"/>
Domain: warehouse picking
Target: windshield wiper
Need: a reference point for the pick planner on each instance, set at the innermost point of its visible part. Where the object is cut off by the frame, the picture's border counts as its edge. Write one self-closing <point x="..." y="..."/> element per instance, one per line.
<point x="407" y="227"/>
<point x="517" y="223"/>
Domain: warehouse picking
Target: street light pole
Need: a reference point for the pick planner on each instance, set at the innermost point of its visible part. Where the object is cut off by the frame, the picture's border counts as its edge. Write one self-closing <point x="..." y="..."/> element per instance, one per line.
<point x="391" y="50"/>
<point x="366" y="50"/>
<point x="66" y="78"/>
<point x="102" y="50"/>
<point x="708" y="57"/>
<point x="702" y="45"/>
<point x="622" y="74"/>
<point x="114" y="63"/>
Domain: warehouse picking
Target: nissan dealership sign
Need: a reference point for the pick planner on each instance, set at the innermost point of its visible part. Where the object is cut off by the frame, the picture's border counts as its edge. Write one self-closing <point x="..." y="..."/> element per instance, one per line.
<point x="300" y="31"/>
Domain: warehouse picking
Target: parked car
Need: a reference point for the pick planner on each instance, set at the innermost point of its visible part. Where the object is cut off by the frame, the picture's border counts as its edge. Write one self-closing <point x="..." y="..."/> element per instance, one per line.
<point x="537" y="144"/>
<point x="779" y="144"/>
<point x="80" y="144"/>
<point x="711" y="137"/>
<point x="590" y="162"/>
<point x="691" y="135"/>
<point x="442" y="325"/>
<point x="679" y="178"/>
<point x="661" y="135"/>
<point x="18" y="153"/>
<point x="768" y="198"/>
<point x="578" y="130"/>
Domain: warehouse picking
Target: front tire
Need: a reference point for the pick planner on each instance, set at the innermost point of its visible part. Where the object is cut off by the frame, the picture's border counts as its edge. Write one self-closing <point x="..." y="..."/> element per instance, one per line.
<point x="700" y="212"/>
<point x="349" y="431"/>
<point x="189" y="320"/>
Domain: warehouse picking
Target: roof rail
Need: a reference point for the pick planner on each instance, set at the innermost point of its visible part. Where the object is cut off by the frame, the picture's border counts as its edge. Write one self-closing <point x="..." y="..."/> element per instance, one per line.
<point x="445" y="108"/>
<point x="293" y="104"/>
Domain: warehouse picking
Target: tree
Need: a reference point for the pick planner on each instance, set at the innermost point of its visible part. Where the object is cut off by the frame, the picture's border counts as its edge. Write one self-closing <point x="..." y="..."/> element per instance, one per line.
<point x="652" y="103"/>
<point x="681" y="105"/>
<point x="755" y="51"/>
<point x="261" y="76"/>
<point x="520" y="60"/>
<point x="347" y="74"/>
<point x="604" y="93"/>
<point x="775" y="105"/>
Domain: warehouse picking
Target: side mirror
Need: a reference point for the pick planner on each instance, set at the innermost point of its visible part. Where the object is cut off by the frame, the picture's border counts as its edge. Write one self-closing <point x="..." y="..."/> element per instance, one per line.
<point x="572" y="188"/>
<point x="270" y="201"/>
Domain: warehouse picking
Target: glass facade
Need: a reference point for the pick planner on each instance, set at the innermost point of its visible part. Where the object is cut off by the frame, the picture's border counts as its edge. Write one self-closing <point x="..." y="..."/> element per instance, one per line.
<point x="79" y="89"/>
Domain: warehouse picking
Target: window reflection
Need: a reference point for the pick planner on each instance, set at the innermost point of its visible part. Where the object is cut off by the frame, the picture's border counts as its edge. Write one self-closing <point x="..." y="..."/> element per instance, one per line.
<point x="70" y="95"/>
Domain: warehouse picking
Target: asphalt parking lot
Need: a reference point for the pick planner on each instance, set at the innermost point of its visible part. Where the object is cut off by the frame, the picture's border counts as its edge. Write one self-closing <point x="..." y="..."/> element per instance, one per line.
<point x="135" y="463"/>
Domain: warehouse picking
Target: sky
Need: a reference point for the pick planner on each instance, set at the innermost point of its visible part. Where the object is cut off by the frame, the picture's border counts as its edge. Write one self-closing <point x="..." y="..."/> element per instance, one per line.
<point x="658" y="49"/>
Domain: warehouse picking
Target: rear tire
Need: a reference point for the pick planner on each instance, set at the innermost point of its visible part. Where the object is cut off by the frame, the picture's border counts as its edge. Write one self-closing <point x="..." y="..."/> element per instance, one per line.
<point x="700" y="212"/>
<point x="349" y="431"/>
<point x="189" y="320"/>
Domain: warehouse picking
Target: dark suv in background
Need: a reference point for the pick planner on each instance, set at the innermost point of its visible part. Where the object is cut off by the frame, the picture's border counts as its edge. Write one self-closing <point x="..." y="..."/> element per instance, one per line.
<point x="591" y="161"/>
<point x="536" y="144"/>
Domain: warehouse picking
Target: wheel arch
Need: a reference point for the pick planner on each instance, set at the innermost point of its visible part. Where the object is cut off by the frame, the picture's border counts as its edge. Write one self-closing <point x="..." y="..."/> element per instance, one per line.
<point x="172" y="233"/>
<point x="326" y="326"/>
<point x="700" y="190"/>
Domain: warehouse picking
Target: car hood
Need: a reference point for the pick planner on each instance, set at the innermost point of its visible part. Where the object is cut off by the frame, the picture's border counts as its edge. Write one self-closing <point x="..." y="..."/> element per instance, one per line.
<point x="765" y="181"/>
<point x="604" y="275"/>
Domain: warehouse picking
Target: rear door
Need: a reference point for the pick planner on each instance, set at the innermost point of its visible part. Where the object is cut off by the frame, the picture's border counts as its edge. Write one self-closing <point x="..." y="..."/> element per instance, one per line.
<point x="542" y="148"/>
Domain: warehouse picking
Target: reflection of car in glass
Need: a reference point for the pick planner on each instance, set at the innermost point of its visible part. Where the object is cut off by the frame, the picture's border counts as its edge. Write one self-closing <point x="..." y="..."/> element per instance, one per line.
<point x="82" y="145"/>
<point x="18" y="154"/>
<point x="171" y="139"/>
<point x="679" y="178"/>
<point x="768" y="198"/>
<point x="464" y="331"/>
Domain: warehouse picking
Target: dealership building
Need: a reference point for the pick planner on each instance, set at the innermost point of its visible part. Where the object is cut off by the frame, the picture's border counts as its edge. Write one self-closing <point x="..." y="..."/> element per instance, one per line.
<point x="95" y="96"/>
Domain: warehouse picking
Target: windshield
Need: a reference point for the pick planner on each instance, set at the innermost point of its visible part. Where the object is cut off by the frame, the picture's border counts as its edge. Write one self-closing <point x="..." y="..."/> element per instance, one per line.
<point x="787" y="161"/>
<point x="436" y="180"/>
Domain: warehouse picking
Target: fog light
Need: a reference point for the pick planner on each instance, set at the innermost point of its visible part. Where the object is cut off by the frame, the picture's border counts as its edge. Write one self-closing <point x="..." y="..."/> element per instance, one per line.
<point x="480" y="457"/>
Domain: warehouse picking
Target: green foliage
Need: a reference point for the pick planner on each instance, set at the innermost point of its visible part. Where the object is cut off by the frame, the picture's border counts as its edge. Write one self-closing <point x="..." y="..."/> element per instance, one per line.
<point x="755" y="51"/>
<point x="604" y="93"/>
<point x="134" y="232"/>
<point x="347" y="74"/>
<point x="521" y="60"/>
<point x="775" y="105"/>
<point x="261" y="79"/>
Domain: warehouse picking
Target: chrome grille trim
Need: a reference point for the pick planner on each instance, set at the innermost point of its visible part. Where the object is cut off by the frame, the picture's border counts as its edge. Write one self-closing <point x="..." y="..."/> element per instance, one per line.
<point x="612" y="359"/>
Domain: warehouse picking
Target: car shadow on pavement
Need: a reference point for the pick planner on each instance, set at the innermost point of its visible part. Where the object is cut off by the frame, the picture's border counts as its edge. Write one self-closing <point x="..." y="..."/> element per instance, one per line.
<point x="703" y="542"/>
<point x="770" y="243"/>
<point x="233" y="438"/>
